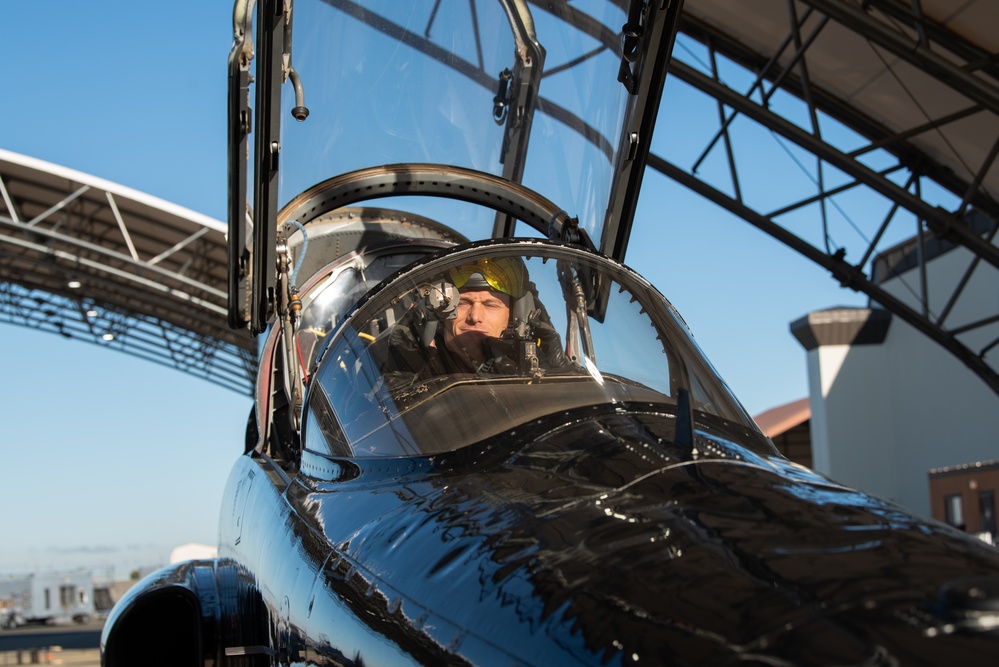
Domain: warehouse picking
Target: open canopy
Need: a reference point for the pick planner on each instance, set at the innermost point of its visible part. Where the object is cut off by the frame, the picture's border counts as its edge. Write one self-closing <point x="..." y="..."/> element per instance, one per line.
<point x="559" y="99"/>
<point x="496" y="87"/>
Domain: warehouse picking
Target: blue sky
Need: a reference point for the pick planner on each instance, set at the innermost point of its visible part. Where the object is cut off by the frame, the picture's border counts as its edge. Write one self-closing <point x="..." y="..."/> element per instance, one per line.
<point x="111" y="461"/>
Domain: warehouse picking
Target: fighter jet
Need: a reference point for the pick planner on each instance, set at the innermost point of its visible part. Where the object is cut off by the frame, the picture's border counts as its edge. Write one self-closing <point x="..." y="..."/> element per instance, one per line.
<point x="478" y="438"/>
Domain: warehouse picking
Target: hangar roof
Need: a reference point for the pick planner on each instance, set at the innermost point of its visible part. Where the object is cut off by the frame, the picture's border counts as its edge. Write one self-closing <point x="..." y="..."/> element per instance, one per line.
<point x="914" y="90"/>
<point x="923" y="75"/>
<point x="94" y="260"/>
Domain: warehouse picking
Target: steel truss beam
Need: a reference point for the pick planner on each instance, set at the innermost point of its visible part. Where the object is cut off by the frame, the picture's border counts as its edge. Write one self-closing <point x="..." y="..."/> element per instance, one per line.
<point x="136" y="334"/>
<point x="96" y="262"/>
<point x="900" y="183"/>
<point x="847" y="274"/>
<point x="915" y="51"/>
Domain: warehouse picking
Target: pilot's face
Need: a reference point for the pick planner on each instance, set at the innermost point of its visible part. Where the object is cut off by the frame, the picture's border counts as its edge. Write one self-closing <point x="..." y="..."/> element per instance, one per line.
<point x="480" y="313"/>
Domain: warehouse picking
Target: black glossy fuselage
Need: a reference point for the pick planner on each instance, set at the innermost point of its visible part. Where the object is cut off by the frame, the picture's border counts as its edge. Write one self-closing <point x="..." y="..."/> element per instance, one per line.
<point x="592" y="538"/>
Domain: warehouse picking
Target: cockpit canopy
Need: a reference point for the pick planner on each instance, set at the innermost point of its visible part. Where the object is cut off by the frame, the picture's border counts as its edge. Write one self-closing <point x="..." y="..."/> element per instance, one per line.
<point x="516" y="89"/>
<point x="408" y="374"/>
<point x="486" y="114"/>
<point x="557" y="98"/>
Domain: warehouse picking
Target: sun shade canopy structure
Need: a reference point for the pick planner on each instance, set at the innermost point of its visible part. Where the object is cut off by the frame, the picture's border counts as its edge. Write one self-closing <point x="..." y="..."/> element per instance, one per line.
<point x="99" y="262"/>
<point x="886" y="114"/>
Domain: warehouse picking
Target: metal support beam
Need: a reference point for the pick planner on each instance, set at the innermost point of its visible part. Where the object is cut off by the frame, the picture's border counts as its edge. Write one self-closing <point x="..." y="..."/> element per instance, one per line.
<point x="98" y="262"/>
<point x="919" y="55"/>
<point x="847" y="274"/>
<point x="940" y="221"/>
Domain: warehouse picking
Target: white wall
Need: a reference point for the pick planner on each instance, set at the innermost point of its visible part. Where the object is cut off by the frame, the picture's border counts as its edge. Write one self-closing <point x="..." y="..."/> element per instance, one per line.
<point x="851" y="442"/>
<point x="884" y="415"/>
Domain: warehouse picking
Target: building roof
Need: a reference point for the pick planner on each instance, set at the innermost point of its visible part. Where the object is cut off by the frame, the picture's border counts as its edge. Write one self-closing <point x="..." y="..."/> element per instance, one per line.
<point x="842" y="325"/>
<point x="964" y="468"/>
<point x="783" y="418"/>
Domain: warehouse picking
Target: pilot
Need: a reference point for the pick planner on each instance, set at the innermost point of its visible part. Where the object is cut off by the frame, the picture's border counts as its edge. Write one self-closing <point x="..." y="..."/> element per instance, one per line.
<point x="471" y="321"/>
<point x="487" y="289"/>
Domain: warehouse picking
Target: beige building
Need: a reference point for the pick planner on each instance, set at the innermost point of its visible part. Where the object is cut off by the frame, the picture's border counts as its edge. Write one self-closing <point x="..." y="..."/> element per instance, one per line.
<point x="887" y="404"/>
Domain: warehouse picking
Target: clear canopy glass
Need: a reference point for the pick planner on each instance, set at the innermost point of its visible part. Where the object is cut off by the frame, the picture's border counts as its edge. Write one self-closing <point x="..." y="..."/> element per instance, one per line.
<point x="332" y="293"/>
<point x="415" y="371"/>
<point x="523" y="90"/>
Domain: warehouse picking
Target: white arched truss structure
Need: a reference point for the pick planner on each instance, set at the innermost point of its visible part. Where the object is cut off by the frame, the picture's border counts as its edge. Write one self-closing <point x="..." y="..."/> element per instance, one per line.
<point x="99" y="262"/>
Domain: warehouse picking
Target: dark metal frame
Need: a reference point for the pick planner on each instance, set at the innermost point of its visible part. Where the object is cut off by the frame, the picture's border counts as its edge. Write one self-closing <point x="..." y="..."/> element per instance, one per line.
<point x="953" y="226"/>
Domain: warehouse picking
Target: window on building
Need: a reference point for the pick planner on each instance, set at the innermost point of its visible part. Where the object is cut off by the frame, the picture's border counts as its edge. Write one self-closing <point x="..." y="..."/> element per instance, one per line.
<point x="954" y="510"/>
<point x="987" y="511"/>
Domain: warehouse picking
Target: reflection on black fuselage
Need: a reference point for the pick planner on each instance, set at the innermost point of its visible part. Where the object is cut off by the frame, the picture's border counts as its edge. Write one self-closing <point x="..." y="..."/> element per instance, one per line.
<point x="596" y="538"/>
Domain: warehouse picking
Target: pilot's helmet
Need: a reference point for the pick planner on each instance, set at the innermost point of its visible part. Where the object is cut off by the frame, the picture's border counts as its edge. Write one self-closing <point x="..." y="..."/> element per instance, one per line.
<point x="529" y="319"/>
<point x="500" y="274"/>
